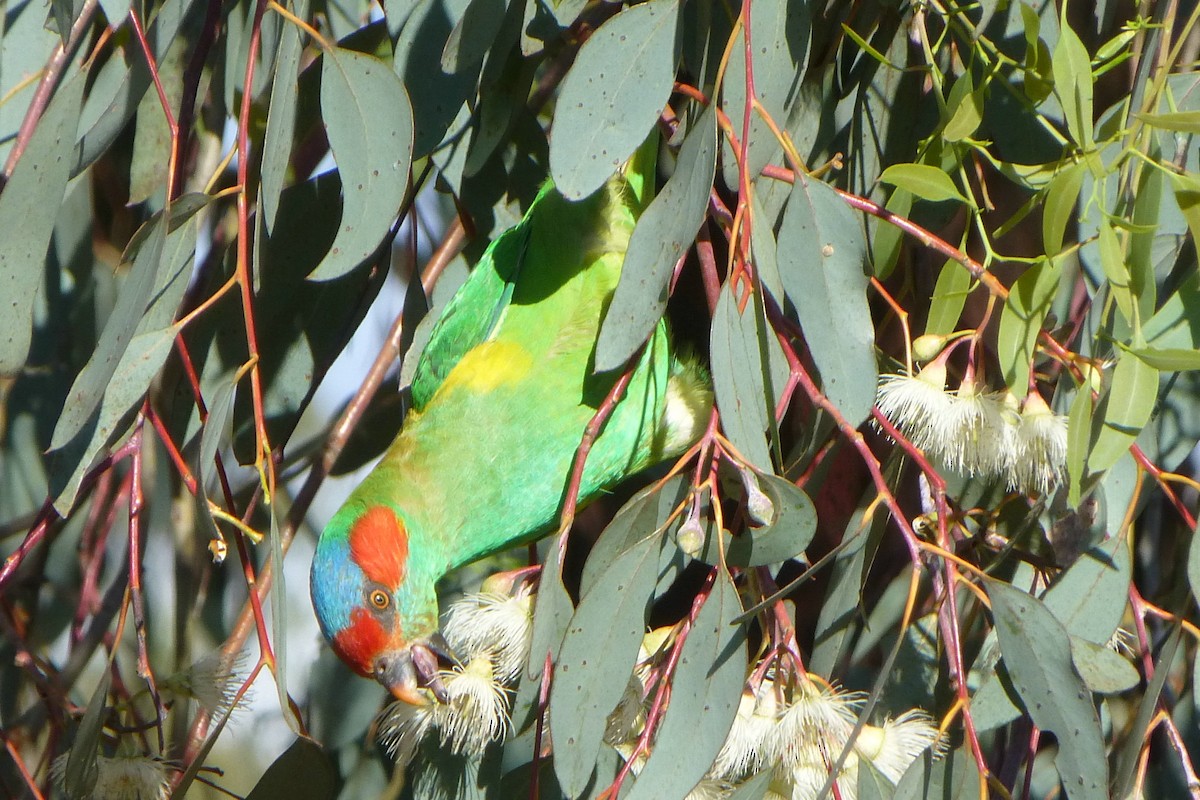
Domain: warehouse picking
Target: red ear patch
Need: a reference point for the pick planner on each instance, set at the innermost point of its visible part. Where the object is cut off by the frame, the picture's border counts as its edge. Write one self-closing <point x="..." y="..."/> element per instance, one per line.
<point x="379" y="545"/>
<point x="361" y="641"/>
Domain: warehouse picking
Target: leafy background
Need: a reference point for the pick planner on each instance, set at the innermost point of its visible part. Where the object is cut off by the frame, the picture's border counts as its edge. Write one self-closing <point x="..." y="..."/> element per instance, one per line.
<point x="222" y="222"/>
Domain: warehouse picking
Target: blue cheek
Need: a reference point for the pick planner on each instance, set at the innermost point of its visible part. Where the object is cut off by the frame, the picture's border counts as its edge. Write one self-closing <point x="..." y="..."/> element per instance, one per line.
<point x="336" y="585"/>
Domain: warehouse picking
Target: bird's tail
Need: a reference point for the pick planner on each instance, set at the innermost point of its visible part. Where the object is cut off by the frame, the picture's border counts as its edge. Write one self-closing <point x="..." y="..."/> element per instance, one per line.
<point x="688" y="407"/>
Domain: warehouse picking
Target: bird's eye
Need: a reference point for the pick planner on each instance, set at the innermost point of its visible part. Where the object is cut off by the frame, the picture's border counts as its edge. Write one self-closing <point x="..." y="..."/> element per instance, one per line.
<point x="380" y="599"/>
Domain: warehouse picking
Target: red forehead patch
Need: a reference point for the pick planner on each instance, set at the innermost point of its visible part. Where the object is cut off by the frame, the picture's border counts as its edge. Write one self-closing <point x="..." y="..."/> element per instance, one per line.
<point x="379" y="545"/>
<point x="361" y="641"/>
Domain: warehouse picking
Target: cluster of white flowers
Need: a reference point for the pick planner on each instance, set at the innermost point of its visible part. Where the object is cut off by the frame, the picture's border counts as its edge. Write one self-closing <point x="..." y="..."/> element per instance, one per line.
<point x="128" y="775"/>
<point x="800" y="741"/>
<point x="212" y="682"/>
<point x="977" y="432"/>
<point x="491" y="632"/>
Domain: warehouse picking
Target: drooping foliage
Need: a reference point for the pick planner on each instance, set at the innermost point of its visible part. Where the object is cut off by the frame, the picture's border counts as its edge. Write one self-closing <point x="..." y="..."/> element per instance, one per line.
<point x="939" y="261"/>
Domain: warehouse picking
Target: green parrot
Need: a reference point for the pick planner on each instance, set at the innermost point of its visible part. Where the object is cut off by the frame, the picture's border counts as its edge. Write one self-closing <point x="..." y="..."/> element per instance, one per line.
<point x="501" y="395"/>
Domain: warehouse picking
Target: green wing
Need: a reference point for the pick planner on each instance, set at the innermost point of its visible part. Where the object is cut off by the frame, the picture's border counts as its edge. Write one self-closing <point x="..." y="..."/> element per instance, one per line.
<point x="473" y="313"/>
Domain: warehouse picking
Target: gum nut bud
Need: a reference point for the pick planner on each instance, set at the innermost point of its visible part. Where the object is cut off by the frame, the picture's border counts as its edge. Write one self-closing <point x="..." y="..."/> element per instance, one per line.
<point x="691" y="537"/>
<point x="498" y="583"/>
<point x="927" y="347"/>
<point x="760" y="508"/>
<point x="758" y="505"/>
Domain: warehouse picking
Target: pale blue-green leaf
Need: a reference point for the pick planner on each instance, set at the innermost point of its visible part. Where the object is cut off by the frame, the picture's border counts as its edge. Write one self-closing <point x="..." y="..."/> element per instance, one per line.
<point x="1073" y="84"/>
<point x="145" y="353"/>
<point x="923" y="181"/>
<point x="745" y="386"/>
<point x="991" y="705"/>
<point x="753" y="788"/>
<point x="552" y="612"/>
<point x="949" y="297"/>
<point x="952" y="777"/>
<point x="872" y="784"/>
<point x="115" y="11"/>
<point x="642" y="516"/>
<point x="139" y="363"/>
<point x="1186" y="190"/>
<point x="82" y="771"/>
<point x="1104" y="670"/>
<point x="786" y="535"/>
<point x="1127" y="408"/>
<point x="151" y="159"/>
<point x="1089" y="598"/>
<point x="114" y="96"/>
<point x="370" y="127"/>
<point x="596" y="659"/>
<point x="279" y="629"/>
<point x="1193" y="565"/>
<point x="1059" y="207"/>
<point x="216" y="432"/>
<point x="302" y="772"/>
<point x="1021" y="320"/>
<point x="839" y="613"/>
<point x="780" y="33"/>
<point x="28" y="45"/>
<point x="473" y="35"/>
<point x="1134" y="742"/>
<point x="662" y="236"/>
<point x="93" y="380"/>
<point x="437" y="97"/>
<point x="821" y="260"/>
<point x="28" y="207"/>
<point x="705" y="691"/>
<point x="613" y="95"/>
<point x="1037" y="653"/>
<point x="281" y="116"/>
<point x="1079" y="437"/>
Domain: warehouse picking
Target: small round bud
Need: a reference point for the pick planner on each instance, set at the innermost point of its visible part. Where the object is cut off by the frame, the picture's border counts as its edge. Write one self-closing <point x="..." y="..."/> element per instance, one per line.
<point x="928" y="346"/>
<point x="691" y="537"/>
<point x="758" y="505"/>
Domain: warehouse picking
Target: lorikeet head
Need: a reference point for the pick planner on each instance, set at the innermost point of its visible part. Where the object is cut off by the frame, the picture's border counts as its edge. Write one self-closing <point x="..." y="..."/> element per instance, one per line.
<point x="375" y="604"/>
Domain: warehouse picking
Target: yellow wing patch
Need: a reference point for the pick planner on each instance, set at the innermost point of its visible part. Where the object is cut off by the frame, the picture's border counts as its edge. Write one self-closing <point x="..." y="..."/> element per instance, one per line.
<point x="489" y="366"/>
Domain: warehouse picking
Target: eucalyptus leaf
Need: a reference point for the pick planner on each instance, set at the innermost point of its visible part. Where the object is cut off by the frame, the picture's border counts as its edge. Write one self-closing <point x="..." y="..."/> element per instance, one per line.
<point x="597" y="656"/>
<point x="1037" y="653"/>
<point x="303" y="771"/>
<point x="370" y="126"/>
<point x="923" y="181"/>
<point x="28" y="208"/>
<point x="705" y="691"/>
<point x="822" y="256"/>
<point x="613" y="95"/>
<point x="662" y="236"/>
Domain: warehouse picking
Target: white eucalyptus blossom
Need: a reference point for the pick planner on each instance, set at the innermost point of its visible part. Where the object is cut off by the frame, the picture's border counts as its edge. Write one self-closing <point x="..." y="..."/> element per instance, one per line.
<point x="974" y="432"/>
<point x="474" y="715"/>
<point x="894" y="746"/>
<point x="493" y="623"/>
<point x="751" y="744"/>
<point x="402" y="726"/>
<point x="917" y="405"/>
<point x="212" y="681"/>
<point x="818" y="722"/>
<point x="125" y="776"/>
<point x="476" y="709"/>
<point x="1039" y="456"/>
